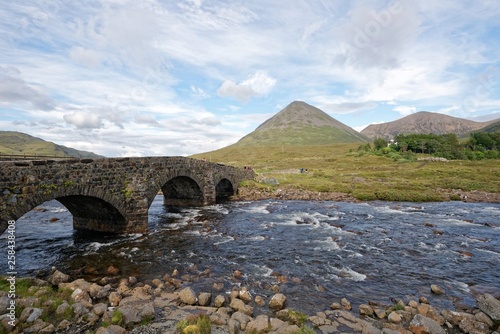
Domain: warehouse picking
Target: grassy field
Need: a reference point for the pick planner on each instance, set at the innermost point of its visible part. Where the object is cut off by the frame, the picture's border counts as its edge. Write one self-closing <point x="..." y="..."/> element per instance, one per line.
<point x="338" y="168"/>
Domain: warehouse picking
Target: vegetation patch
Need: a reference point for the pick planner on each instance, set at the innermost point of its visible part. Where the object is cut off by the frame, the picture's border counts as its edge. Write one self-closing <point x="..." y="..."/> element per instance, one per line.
<point x="196" y="324"/>
<point x="359" y="170"/>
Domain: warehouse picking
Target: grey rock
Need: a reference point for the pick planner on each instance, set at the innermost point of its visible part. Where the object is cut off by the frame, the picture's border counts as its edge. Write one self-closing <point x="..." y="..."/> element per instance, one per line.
<point x="112" y="329"/>
<point x="204" y="298"/>
<point x="431" y="326"/>
<point x="489" y="305"/>
<point x="58" y="277"/>
<point x="188" y="296"/>
<point x="277" y="301"/>
<point x="30" y="314"/>
<point x="135" y="312"/>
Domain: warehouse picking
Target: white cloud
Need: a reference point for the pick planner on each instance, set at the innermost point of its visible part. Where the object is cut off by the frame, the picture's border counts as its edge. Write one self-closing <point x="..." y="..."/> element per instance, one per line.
<point x="14" y="90"/>
<point x="258" y="84"/>
<point x="405" y="110"/>
<point x="87" y="57"/>
<point x="83" y="120"/>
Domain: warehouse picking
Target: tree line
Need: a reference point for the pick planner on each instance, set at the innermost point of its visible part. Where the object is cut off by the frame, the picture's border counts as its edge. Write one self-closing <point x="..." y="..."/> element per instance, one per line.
<point x="478" y="146"/>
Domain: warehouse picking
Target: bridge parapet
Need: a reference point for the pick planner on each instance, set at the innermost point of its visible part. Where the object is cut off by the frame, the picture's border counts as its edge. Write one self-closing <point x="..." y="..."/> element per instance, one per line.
<point x="112" y="194"/>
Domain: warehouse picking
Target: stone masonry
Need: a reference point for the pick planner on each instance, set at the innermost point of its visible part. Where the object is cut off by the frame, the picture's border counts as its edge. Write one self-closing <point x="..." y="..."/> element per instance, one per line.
<point x="113" y="194"/>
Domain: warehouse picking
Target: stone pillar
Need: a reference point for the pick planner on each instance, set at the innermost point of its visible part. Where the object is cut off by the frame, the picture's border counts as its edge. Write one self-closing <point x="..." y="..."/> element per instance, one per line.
<point x="209" y="193"/>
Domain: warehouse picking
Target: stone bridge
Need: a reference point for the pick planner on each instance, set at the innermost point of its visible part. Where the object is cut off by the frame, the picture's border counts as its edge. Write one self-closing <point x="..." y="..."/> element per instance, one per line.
<point x="113" y="194"/>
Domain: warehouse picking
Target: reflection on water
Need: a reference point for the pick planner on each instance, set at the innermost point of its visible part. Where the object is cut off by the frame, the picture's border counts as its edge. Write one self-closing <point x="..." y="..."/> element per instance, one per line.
<point x="318" y="252"/>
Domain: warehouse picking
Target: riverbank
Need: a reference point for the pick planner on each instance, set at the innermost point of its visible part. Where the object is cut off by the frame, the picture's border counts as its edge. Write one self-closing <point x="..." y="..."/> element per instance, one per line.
<point x="249" y="193"/>
<point x="114" y="304"/>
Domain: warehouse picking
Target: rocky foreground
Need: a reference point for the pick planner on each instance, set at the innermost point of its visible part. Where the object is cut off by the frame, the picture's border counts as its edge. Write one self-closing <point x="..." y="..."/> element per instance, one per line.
<point x="116" y="306"/>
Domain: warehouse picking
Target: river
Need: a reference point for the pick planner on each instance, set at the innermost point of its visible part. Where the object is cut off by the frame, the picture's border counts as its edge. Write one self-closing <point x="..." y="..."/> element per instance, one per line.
<point x="317" y="252"/>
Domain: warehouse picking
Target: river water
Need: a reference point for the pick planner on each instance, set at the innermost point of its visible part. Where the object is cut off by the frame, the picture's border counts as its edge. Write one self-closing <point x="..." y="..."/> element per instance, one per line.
<point x="317" y="252"/>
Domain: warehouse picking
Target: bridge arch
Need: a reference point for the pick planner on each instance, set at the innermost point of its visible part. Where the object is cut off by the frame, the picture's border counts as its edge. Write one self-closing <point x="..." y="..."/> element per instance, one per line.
<point x="91" y="209"/>
<point x="180" y="188"/>
<point x="182" y="191"/>
<point x="224" y="189"/>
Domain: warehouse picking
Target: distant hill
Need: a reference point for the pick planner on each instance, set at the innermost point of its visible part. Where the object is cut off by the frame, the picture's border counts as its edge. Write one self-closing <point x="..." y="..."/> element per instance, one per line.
<point x="301" y="124"/>
<point x="493" y="127"/>
<point x="18" y="143"/>
<point x="424" y="122"/>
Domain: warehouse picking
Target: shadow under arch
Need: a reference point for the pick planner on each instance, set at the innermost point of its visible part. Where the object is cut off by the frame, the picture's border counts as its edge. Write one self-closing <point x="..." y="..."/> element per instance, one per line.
<point x="93" y="214"/>
<point x="90" y="212"/>
<point x="182" y="191"/>
<point x="223" y="190"/>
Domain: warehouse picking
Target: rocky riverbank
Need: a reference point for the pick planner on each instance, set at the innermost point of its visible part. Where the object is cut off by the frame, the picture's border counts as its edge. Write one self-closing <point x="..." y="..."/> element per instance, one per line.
<point x="112" y="305"/>
<point x="282" y="193"/>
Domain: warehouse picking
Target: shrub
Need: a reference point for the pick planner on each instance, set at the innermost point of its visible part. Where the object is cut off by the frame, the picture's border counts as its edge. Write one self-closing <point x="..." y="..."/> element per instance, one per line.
<point x="199" y="324"/>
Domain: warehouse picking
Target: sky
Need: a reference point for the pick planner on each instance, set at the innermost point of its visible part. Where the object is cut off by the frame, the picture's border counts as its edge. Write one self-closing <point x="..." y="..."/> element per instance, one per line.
<point x="168" y="78"/>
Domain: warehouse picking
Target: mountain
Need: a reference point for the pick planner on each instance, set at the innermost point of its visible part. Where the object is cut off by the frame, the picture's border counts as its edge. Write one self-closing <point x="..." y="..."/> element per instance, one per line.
<point x="18" y="143"/>
<point x="301" y="124"/>
<point x="493" y="127"/>
<point x="424" y="122"/>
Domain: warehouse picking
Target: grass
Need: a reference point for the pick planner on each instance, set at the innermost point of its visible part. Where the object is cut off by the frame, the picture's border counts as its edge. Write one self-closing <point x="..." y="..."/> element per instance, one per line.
<point x="48" y="300"/>
<point x="334" y="168"/>
<point x="196" y="324"/>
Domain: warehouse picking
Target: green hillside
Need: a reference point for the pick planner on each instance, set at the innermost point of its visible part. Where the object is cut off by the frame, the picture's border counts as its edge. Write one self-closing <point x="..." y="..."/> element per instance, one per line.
<point x="495" y="127"/>
<point x="342" y="168"/>
<point x="18" y="143"/>
<point x="301" y="124"/>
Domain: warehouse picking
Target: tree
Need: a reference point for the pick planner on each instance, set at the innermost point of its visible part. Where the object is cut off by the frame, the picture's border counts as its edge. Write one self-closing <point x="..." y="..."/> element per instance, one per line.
<point x="380" y="143"/>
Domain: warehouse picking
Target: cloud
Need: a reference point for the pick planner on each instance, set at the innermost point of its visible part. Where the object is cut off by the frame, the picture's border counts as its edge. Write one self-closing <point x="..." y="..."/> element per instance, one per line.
<point x="348" y="107"/>
<point x="405" y="110"/>
<point x="15" y="90"/>
<point x="83" y="120"/>
<point x="258" y="84"/>
<point x="147" y="119"/>
<point x="377" y="37"/>
<point x="87" y="57"/>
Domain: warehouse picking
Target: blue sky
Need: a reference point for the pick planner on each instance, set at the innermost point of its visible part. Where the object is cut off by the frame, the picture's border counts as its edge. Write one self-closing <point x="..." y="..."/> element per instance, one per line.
<point x="150" y="77"/>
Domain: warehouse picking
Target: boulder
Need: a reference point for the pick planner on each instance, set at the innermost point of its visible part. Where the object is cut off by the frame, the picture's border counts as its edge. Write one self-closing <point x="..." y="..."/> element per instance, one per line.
<point x="37" y="326"/>
<point x="111" y="329"/>
<point x="489" y="305"/>
<point x="239" y="305"/>
<point x="80" y="296"/>
<point x="79" y="309"/>
<point x="259" y="301"/>
<point x="76" y="284"/>
<point x="114" y="298"/>
<point x="4" y="303"/>
<point x="335" y="306"/>
<point x="30" y="314"/>
<point x="137" y="311"/>
<point x="220" y="301"/>
<point x="142" y="292"/>
<point x="277" y="302"/>
<point x="468" y="325"/>
<point x="346" y="305"/>
<point x="63" y="308"/>
<point x="99" y="292"/>
<point x="420" y="323"/>
<point x="258" y="325"/>
<point x="240" y="318"/>
<point x="188" y="296"/>
<point x="64" y="324"/>
<point x="436" y="289"/>
<point x="394" y="318"/>
<point x="245" y="295"/>
<point x="204" y="298"/>
<point x="58" y="277"/>
<point x="48" y="329"/>
<point x="6" y="321"/>
<point x="99" y="309"/>
<point x="365" y="309"/>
